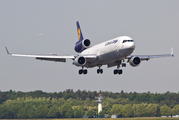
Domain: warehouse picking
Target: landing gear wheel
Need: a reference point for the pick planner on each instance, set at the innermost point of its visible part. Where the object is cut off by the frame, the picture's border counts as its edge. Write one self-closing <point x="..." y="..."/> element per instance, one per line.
<point x="100" y="71"/>
<point x="119" y="72"/>
<point x="123" y="64"/>
<point x="80" y="71"/>
<point x="115" y="72"/>
<point x="85" y="71"/>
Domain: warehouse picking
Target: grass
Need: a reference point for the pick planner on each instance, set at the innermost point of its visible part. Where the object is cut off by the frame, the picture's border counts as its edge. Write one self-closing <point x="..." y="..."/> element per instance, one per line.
<point x="137" y="118"/>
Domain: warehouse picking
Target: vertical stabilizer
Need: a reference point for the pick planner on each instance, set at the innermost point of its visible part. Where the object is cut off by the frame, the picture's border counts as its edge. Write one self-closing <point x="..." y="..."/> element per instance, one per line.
<point x="80" y="35"/>
<point x="82" y="43"/>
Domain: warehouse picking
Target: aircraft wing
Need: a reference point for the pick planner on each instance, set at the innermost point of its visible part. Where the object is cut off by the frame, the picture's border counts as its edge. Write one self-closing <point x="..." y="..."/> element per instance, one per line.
<point x="147" y="57"/>
<point x="50" y="57"/>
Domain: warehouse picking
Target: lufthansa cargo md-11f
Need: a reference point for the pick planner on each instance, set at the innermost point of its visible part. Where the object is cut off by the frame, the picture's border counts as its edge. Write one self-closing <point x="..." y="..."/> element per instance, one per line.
<point x="111" y="53"/>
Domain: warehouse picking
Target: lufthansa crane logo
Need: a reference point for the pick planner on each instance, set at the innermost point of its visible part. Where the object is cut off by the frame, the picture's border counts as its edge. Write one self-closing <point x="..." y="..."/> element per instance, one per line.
<point x="79" y="33"/>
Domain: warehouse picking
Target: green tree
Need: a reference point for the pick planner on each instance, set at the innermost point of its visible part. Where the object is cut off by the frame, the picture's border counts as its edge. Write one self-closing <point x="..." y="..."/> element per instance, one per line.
<point x="67" y="96"/>
<point x="89" y="114"/>
<point x="140" y="110"/>
<point x="22" y="114"/>
<point x="127" y="110"/>
<point x="165" y="110"/>
<point x="67" y="111"/>
<point x="116" y="109"/>
<point x="78" y="113"/>
<point x="6" y="113"/>
<point x="28" y="106"/>
<point x="107" y="108"/>
<point x="101" y="114"/>
<point x="10" y="114"/>
<point x="53" y="112"/>
<point x="175" y="110"/>
<point x="3" y="110"/>
<point x="151" y="110"/>
<point x="41" y="111"/>
<point x="15" y="109"/>
<point x="2" y="97"/>
<point x="69" y="114"/>
<point x="31" y="112"/>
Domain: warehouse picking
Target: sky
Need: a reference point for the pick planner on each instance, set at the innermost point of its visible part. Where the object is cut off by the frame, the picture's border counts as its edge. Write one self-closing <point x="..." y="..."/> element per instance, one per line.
<point x="154" y="26"/>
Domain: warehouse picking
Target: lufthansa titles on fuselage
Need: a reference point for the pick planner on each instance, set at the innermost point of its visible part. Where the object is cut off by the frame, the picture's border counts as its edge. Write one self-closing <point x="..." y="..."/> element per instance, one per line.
<point x="111" y="42"/>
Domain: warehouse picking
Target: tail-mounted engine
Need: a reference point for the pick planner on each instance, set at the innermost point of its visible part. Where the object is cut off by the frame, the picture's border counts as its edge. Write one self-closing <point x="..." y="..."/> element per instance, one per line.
<point x="134" y="61"/>
<point x="79" y="61"/>
<point x="82" y="45"/>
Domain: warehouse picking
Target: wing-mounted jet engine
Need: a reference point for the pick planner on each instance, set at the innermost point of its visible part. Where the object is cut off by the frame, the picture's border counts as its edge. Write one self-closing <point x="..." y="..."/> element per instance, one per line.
<point x="134" y="61"/>
<point x="79" y="61"/>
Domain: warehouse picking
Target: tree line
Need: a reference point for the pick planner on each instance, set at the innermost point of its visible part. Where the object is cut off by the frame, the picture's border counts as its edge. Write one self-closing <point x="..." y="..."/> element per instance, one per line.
<point x="70" y="104"/>
<point x="169" y="98"/>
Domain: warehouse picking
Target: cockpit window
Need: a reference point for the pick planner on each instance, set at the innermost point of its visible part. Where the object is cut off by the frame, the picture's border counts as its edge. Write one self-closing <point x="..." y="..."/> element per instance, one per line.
<point x="127" y="41"/>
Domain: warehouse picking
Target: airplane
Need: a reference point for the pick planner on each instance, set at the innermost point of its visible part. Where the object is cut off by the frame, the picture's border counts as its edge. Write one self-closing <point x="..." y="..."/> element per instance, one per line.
<point x="40" y="34"/>
<point x="112" y="53"/>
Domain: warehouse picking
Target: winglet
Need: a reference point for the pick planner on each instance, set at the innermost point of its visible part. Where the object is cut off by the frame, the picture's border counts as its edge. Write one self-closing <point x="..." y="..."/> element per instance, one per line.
<point x="172" y="52"/>
<point x="7" y="51"/>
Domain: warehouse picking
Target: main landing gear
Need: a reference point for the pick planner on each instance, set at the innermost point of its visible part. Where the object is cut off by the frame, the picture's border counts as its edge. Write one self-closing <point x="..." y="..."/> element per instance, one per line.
<point x="83" y="71"/>
<point x="100" y="70"/>
<point x="119" y="71"/>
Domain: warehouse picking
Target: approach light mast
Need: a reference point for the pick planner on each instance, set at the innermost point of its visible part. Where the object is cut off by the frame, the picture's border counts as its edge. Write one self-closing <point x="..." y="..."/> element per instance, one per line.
<point x="99" y="100"/>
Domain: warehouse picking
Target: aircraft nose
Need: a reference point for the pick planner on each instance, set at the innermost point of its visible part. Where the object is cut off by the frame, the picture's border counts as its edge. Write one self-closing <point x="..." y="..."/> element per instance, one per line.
<point x="132" y="45"/>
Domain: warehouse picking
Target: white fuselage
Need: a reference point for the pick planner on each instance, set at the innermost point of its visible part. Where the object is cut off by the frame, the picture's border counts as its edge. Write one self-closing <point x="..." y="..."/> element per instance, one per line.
<point x="110" y="51"/>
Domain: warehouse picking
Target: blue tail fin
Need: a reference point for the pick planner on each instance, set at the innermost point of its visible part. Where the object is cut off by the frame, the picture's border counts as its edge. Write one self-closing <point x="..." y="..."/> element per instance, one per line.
<point x="82" y="43"/>
<point x="80" y="35"/>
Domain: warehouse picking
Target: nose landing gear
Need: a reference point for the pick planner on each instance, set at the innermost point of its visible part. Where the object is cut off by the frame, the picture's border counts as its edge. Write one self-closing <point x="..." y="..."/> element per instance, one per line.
<point x="123" y="64"/>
